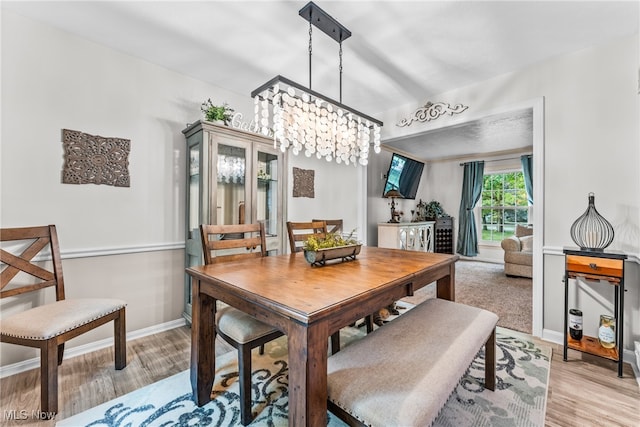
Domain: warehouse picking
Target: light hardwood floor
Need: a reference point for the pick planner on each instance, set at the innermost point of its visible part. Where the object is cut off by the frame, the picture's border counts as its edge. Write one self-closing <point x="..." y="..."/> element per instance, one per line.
<point x="584" y="391"/>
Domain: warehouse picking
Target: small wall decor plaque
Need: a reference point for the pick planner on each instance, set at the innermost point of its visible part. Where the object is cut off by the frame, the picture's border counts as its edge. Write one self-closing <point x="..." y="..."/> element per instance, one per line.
<point x="432" y="111"/>
<point x="303" y="183"/>
<point x="93" y="159"/>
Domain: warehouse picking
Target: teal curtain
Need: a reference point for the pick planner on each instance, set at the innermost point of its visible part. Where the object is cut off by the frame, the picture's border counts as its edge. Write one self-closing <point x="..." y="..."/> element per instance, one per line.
<point x="471" y="192"/>
<point x="527" y="170"/>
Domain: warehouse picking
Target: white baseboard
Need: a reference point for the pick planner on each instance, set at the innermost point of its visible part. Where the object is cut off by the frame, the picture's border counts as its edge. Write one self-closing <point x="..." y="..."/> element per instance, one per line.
<point x="552" y="336"/>
<point x="628" y="356"/>
<point x="16" y="368"/>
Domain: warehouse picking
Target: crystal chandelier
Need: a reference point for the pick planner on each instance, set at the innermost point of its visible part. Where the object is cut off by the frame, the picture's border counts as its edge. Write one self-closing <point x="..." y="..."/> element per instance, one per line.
<point x="306" y="121"/>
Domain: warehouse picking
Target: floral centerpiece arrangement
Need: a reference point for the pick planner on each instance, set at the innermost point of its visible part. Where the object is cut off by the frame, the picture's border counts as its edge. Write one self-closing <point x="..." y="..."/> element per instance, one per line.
<point x="333" y="246"/>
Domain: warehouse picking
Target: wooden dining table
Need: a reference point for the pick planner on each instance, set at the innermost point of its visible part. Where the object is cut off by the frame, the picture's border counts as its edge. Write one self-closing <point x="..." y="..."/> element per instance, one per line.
<point x="308" y="303"/>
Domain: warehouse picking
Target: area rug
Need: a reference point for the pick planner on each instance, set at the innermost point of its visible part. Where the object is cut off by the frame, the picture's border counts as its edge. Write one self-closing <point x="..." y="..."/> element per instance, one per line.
<point x="484" y="285"/>
<point x="519" y="399"/>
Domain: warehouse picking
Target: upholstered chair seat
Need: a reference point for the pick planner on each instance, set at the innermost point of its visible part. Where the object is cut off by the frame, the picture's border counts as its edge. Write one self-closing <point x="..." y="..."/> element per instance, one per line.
<point x="242" y="327"/>
<point x="50" y="320"/>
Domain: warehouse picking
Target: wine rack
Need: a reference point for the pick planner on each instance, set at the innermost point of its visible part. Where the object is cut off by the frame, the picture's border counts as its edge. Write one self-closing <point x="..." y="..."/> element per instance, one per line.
<point x="444" y="235"/>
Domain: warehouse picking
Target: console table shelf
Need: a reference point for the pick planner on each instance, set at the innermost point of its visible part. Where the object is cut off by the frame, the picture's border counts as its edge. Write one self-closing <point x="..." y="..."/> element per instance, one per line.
<point x="591" y="345"/>
<point x="591" y="265"/>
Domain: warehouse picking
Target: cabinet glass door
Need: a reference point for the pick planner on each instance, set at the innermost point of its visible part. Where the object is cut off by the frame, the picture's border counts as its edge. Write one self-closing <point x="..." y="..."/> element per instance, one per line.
<point x="193" y="187"/>
<point x="193" y="251"/>
<point x="267" y="194"/>
<point x="231" y="173"/>
<point x="267" y="197"/>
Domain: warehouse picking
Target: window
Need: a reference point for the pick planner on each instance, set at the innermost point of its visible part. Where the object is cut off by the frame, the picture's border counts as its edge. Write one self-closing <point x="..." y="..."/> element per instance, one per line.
<point x="503" y="205"/>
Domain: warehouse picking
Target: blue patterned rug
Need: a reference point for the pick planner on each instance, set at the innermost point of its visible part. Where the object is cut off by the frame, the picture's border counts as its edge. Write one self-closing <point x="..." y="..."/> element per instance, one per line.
<point x="519" y="399"/>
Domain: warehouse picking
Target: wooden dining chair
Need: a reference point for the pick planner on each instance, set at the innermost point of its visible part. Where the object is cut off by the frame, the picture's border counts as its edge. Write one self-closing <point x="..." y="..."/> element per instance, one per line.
<point x="31" y="261"/>
<point x="301" y="231"/>
<point x="336" y="226"/>
<point x="298" y="233"/>
<point x="236" y="327"/>
<point x="333" y="225"/>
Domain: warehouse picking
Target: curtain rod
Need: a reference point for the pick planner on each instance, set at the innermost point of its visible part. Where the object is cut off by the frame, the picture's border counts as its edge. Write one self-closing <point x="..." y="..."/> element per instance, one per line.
<point x="500" y="160"/>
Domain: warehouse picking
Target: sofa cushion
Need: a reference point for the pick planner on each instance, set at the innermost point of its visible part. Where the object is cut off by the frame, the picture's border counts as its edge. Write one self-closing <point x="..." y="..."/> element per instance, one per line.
<point x="522" y="258"/>
<point x="526" y="244"/>
<point x="522" y="231"/>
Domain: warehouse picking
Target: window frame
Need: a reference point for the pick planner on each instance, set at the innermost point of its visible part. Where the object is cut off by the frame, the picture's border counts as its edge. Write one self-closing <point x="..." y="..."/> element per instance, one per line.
<point x="479" y="208"/>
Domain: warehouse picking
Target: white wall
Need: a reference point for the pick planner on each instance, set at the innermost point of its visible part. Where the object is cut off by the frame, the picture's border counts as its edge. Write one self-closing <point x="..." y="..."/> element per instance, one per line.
<point x="591" y="133"/>
<point x="53" y="80"/>
<point x="337" y="194"/>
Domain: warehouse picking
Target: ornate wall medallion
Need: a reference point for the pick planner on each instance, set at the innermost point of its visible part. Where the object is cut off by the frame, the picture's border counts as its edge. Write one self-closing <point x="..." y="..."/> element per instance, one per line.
<point x="432" y="111"/>
<point x="303" y="183"/>
<point x="93" y="159"/>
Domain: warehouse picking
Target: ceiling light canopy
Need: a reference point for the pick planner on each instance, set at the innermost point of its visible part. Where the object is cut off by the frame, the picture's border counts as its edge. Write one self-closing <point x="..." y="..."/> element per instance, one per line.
<point x="307" y="121"/>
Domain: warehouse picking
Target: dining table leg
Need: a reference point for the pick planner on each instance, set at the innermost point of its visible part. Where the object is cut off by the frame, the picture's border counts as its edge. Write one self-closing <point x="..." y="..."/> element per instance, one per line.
<point x="203" y="338"/>
<point x="308" y="374"/>
<point x="446" y="285"/>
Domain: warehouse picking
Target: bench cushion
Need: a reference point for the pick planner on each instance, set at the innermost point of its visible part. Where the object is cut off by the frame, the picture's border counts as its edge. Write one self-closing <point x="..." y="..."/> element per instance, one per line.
<point x="403" y="373"/>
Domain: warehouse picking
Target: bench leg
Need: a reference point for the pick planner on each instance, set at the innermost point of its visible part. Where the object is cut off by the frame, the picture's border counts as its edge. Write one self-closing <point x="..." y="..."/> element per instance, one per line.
<point x="335" y="342"/>
<point x="490" y="362"/>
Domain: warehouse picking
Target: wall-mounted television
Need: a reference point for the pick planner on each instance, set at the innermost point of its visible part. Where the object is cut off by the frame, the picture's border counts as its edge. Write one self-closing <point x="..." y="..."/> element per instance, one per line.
<point x="403" y="175"/>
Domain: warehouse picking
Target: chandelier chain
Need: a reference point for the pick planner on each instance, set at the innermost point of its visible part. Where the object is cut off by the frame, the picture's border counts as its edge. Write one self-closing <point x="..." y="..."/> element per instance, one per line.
<point x="340" y="55"/>
<point x="310" y="50"/>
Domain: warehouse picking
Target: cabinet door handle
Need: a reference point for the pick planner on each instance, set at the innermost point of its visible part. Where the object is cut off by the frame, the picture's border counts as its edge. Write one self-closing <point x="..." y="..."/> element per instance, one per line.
<point x="593" y="266"/>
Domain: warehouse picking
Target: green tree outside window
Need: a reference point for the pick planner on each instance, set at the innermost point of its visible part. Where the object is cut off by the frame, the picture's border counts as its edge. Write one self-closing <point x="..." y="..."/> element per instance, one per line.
<point x="503" y="205"/>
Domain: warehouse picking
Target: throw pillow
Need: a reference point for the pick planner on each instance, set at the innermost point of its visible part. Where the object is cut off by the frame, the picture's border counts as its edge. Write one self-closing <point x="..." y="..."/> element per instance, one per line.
<point x="526" y="244"/>
<point x="522" y="231"/>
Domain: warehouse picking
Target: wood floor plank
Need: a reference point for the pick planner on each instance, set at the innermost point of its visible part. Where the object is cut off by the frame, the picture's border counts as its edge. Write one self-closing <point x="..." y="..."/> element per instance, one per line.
<point x="584" y="391"/>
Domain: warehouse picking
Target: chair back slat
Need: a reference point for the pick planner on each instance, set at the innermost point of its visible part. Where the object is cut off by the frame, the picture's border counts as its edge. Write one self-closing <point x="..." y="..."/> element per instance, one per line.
<point x="251" y="243"/>
<point x="301" y="231"/>
<point x="25" y="289"/>
<point x="334" y="226"/>
<point x="14" y="263"/>
<point x="223" y="243"/>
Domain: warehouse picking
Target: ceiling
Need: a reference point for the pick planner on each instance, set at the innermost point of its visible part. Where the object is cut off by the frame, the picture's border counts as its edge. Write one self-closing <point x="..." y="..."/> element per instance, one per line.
<point x="497" y="134"/>
<point x="400" y="52"/>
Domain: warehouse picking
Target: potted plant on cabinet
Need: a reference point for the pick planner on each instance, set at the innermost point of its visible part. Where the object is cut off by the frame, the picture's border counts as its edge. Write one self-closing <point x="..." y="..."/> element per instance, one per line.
<point x="433" y="210"/>
<point x="217" y="113"/>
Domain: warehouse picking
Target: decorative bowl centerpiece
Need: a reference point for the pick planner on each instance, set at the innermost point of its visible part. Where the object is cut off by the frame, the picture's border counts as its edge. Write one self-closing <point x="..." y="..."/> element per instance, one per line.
<point x="317" y="251"/>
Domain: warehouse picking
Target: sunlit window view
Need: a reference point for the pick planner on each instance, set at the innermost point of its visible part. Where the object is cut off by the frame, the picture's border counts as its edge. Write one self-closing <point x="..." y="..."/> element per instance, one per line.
<point x="503" y="205"/>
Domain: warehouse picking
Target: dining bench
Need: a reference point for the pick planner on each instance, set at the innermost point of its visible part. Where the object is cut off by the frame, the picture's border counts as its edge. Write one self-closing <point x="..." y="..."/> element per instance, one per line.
<point x="403" y="373"/>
